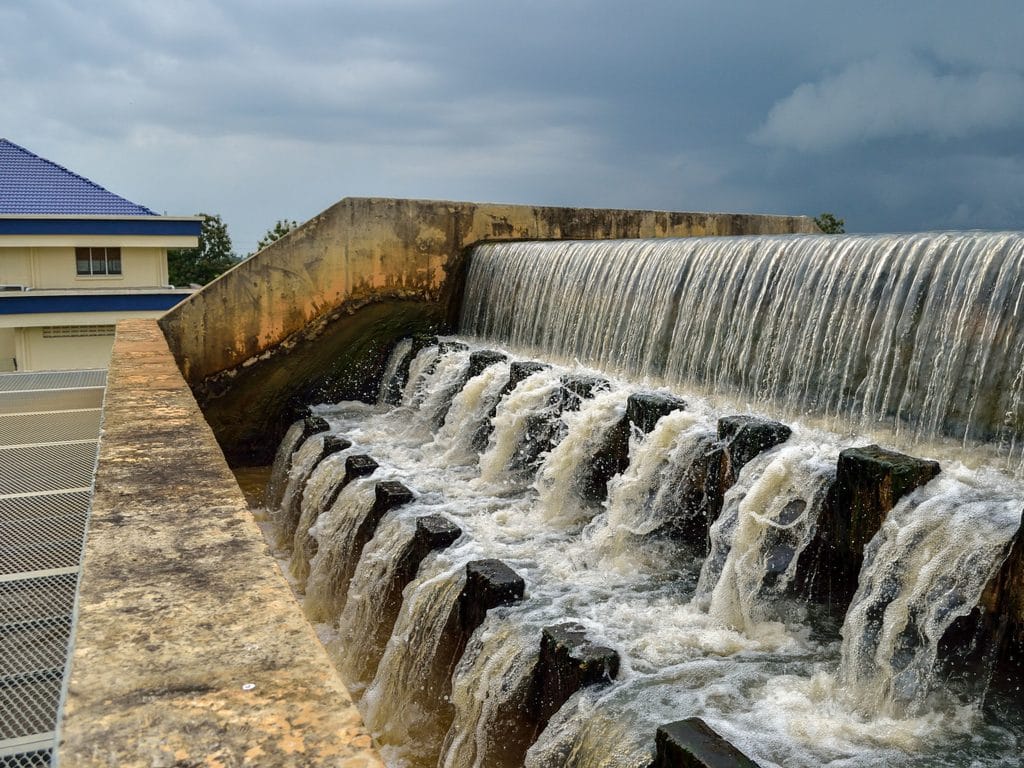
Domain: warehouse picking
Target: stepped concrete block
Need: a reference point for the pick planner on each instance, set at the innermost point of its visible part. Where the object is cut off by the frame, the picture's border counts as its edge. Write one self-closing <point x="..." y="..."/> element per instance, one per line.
<point x="433" y="534"/>
<point x="289" y="518"/>
<point x="489" y="584"/>
<point x="988" y="643"/>
<point x="359" y="465"/>
<point x="568" y="663"/>
<point x="692" y="743"/>
<point x="393" y="389"/>
<point x="643" y="409"/>
<point x="451" y="346"/>
<point x="579" y="387"/>
<point x="519" y="370"/>
<point x="311" y="425"/>
<point x="483" y="359"/>
<point x="387" y="496"/>
<point x="747" y="436"/>
<point x="705" y="483"/>
<point x="869" y="482"/>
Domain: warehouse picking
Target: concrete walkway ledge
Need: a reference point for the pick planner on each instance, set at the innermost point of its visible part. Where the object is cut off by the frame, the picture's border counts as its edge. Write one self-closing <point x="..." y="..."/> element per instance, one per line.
<point x="190" y="649"/>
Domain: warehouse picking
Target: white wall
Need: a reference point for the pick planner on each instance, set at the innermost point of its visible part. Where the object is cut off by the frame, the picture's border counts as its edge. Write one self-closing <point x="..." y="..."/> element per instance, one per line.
<point x="35" y="352"/>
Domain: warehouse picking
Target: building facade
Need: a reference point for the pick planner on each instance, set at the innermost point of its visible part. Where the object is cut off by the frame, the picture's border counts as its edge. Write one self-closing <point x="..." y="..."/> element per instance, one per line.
<point x="74" y="259"/>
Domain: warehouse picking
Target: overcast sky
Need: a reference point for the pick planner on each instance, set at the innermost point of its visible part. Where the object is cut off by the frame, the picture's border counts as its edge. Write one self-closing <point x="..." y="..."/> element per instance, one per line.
<point x="898" y="115"/>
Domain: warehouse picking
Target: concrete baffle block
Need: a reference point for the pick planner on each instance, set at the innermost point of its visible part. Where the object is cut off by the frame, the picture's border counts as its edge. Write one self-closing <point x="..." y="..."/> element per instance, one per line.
<point x="704" y="483"/>
<point x="643" y="410"/>
<point x="489" y="584"/>
<point x="692" y="743"/>
<point x="745" y="437"/>
<point x="869" y="482"/>
<point x="312" y="425"/>
<point x="519" y="370"/>
<point x="568" y="663"/>
<point x="579" y="387"/>
<point x="483" y="359"/>
<point x="433" y="533"/>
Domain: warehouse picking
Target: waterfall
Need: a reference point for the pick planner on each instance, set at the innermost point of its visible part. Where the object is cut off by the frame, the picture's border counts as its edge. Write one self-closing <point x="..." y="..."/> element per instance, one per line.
<point x="928" y="565"/>
<point x="917" y="333"/>
<point x="767" y="520"/>
<point x="361" y="633"/>
<point x="282" y="464"/>
<point x="397" y="704"/>
<point x="331" y="568"/>
<point x="688" y="569"/>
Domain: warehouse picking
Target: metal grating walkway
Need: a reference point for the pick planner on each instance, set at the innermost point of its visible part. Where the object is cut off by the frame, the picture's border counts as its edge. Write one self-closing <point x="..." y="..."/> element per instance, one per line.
<point x="49" y="436"/>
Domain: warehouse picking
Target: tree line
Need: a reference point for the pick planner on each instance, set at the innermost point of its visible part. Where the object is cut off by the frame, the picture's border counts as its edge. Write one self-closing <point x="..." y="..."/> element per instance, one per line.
<point x="215" y="254"/>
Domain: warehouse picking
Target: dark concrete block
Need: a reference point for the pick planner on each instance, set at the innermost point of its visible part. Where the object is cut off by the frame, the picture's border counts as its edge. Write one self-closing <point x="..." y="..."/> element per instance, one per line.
<point x="334" y="444"/>
<point x="434" y="532"/>
<point x="360" y="465"/>
<point x="483" y="359"/>
<point x="387" y="496"/>
<point x="644" y="409"/>
<point x="748" y="436"/>
<point x="869" y="482"/>
<point x="692" y="743"/>
<point x="311" y="425"/>
<point x="568" y="663"/>
<point x="518" y="371"/>
<point x="579" y="387"/>
<point x="489" y="584"/>
<point x="290" y="515"/>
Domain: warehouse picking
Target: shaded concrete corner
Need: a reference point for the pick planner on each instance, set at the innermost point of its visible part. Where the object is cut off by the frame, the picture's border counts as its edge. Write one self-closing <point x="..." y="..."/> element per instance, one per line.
<point x="190" y="649"/>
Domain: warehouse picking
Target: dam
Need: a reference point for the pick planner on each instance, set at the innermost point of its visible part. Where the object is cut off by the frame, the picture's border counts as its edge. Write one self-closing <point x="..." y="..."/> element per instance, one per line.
<point x="625" y="500"/>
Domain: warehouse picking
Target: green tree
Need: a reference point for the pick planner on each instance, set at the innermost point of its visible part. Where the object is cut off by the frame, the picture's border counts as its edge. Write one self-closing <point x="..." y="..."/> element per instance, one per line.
<point x="829" y="224"/>
<point x="279" y="230"/>
<point x="213" y="257"/>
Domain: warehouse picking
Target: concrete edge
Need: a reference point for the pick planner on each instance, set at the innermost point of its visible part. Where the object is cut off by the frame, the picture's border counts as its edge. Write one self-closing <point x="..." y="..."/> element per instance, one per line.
<point x="190" y="648"/>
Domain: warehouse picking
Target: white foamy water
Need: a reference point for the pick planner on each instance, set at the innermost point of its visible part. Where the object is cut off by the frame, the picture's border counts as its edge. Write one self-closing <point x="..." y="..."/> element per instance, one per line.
<point x="723" y="644"/>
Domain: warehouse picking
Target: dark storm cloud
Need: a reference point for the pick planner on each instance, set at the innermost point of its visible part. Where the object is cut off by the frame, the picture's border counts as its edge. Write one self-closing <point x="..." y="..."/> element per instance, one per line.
<point x="901" y="117"/>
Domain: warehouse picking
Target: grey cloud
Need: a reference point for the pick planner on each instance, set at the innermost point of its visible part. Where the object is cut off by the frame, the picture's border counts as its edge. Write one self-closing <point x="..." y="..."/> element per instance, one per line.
<point x="891" y="97"/>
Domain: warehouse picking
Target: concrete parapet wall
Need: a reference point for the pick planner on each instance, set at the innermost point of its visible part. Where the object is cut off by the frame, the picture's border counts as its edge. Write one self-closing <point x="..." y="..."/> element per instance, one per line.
<point x="353" y="279"/>
<point x="190" y="649"/>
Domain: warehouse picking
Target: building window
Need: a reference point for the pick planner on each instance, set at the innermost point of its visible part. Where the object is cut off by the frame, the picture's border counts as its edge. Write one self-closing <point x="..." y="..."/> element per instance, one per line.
<point x="98" y="261"/>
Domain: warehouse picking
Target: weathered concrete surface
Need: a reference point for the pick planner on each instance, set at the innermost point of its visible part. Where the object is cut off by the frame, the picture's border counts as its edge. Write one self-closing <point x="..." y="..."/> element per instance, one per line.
<point x="315" y="283"/>
<point x="182" y="609"/>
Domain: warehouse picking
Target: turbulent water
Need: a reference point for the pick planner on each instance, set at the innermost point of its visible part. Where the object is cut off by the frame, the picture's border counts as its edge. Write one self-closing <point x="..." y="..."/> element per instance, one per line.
<point x="722" y="637"/>
<point x="917" y="334"/>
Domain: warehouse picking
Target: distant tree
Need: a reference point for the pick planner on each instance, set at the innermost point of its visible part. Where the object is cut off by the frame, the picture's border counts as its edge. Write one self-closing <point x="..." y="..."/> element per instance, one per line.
<point x="279" y="230"/>
<point x="829" y="224"/>
<point x="213" y="257"/>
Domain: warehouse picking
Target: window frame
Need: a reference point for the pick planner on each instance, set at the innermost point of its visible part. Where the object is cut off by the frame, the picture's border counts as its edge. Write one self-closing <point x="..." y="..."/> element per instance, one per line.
<point x="101" y="261"/>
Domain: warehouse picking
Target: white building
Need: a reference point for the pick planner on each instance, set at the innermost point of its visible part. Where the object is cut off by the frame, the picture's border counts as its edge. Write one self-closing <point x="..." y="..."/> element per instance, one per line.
<point x="74" y="259"/>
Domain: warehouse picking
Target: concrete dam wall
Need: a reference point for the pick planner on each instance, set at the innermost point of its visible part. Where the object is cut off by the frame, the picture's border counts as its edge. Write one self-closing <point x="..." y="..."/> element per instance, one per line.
<point x="314" y="314"/>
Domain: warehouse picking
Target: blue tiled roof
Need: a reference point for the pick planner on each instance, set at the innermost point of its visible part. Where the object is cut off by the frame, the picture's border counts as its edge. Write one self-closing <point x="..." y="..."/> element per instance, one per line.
<point x="31" y="184"/>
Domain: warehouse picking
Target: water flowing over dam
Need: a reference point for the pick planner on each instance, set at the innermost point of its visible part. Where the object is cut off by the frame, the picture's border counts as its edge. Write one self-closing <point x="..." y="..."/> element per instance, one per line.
<point x="920" y="334"/>
<point x="632" y="512"/>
